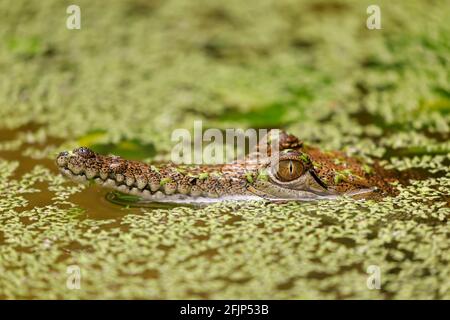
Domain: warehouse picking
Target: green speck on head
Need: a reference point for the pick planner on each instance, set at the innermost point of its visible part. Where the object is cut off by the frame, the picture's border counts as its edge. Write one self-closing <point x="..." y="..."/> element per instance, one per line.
<point x="304" y="158"/>
<point x="179" y="170"/>
<point x="263" y="175"/>
<point x="154" y="168"/>
<point x="367" y="169"/>
<point x="339" y="177"/>
<point x="203" y="175"/>
<point x="347" y="172"/>
<point x="344" y="175"/>
<point x="317" y="164"/>
<point x="164" y="181"/>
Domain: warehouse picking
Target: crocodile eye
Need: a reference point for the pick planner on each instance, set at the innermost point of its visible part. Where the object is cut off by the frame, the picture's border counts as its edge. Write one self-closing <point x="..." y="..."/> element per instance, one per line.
<point x="289" y="170"/>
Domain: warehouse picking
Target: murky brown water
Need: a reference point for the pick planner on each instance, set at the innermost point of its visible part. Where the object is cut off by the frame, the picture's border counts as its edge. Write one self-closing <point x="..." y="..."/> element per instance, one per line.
<point x="91" y="199"/>
<point x="97" y="202"/>
<point x="100" y="204"/>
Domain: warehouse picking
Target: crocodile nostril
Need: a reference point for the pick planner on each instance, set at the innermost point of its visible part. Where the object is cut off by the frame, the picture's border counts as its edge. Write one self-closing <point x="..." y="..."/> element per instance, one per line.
<point x="62" y="158"/>
<point x="75" y="167"/>
<point x="90" y="173"/>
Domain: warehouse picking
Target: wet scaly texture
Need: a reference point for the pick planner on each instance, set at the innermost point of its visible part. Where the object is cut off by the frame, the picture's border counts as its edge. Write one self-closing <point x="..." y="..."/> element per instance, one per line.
<point x="291" y="172"/>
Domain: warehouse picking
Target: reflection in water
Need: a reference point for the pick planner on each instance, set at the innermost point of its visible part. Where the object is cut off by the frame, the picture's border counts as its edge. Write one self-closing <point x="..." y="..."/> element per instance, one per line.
<point x="130" y="201"/>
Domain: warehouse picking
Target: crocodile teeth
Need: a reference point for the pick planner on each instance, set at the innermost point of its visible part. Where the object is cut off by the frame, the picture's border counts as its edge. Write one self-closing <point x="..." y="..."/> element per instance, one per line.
<point x="146" y="193"/>
<point x="122" y="188"/>
<point x="154" y="184"/>
<point x="90" y="173"/>
<point x="141" y="182"/>
<point x="109" y="183"/>
<point x="212" y="194"/>
<point x="196" y="191"/>
<point x="184" y="188"/>
<point x="170" y="188"/>
<point x="159" y="195"/>
<point x="103" y="174"/>
<point x="135" y="191"/>
<point x="129" y="181"/>
<point x="79" y="178"/>
<point x="74" y="168"/>
<point x="120" y="177"/>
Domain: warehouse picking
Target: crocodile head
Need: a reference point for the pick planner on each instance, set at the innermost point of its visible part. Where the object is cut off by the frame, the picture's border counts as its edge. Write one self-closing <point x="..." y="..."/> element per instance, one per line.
<point x="307" y="173"/>
<point x="294" y="171"/>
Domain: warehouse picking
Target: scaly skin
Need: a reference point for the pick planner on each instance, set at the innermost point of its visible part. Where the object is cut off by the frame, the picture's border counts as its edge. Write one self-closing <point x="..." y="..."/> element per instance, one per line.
<point x="320" y="175"/>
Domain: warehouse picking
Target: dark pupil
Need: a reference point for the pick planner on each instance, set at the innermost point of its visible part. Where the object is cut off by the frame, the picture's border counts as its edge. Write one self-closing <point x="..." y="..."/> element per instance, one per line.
<point x="289" y="170"/>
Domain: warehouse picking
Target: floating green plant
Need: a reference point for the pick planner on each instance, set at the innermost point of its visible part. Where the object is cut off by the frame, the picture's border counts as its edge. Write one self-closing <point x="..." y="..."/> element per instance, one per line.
<point x="130" y="149"/>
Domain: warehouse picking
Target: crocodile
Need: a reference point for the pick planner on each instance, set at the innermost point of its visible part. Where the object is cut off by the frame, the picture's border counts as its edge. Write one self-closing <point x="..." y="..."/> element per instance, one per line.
<point x="301" y="172"/>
